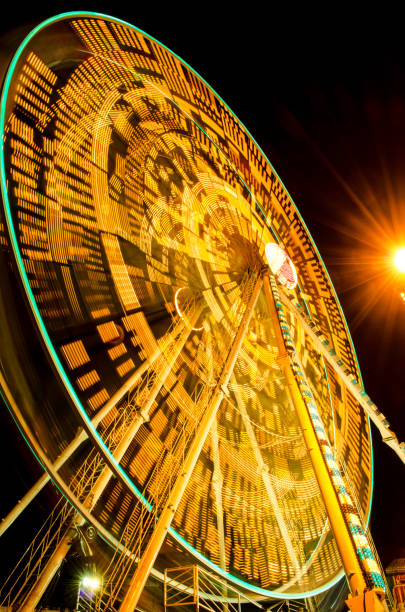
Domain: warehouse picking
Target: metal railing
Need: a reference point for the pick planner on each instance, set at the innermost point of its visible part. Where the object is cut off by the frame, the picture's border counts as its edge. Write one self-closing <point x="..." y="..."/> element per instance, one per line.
<point x="194" y="586"/>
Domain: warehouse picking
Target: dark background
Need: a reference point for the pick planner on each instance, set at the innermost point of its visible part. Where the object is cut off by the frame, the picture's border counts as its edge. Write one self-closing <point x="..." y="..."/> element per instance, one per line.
<point x="322" y="92"/>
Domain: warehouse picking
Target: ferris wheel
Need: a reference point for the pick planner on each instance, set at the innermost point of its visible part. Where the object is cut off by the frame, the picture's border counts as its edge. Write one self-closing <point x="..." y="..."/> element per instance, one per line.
<point x="192" y="388"/>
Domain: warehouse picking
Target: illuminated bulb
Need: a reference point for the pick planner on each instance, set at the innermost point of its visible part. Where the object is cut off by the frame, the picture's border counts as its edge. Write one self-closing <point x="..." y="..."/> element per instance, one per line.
<point x="399" y="259"/>
<point x="281" y="265"/>
<point x="91" y="582"/>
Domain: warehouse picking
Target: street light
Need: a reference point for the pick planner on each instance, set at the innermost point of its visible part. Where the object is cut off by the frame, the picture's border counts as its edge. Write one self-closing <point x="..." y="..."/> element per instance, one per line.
<point x="399" y="259"/>
<point x="88" y="585"/>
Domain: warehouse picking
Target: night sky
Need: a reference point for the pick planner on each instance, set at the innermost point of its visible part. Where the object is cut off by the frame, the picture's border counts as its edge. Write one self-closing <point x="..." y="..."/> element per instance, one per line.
<point x="323" y="94"/>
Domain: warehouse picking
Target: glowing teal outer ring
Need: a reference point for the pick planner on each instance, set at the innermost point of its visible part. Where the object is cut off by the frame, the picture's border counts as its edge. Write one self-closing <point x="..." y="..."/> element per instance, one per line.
<point x="48" y="342"/>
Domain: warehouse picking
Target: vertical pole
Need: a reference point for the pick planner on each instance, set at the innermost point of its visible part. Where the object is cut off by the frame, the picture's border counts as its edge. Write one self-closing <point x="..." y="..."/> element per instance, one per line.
<point x="197" y="587"/>
<point x="306" y="415"/>
<point x="148" y="558"/>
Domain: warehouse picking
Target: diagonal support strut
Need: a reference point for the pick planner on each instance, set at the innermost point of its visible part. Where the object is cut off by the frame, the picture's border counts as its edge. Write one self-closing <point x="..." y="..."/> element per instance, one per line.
<point x="148" y="558"/>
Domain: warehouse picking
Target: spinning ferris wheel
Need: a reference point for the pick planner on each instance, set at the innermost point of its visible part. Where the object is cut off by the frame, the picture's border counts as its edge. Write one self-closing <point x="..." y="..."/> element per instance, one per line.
<point x="192" y="389"/>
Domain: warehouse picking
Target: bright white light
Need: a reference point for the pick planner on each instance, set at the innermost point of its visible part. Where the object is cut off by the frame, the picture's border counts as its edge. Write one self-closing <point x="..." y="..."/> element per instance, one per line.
<point x="176" y="303"/>
<point x="399" y="259"/>
<point x="281" y="265"/>
<point x="92" y="583"/>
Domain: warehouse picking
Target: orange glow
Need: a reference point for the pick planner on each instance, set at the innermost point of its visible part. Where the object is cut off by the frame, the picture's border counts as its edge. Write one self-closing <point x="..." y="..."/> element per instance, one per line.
<point x="399" y="259"/>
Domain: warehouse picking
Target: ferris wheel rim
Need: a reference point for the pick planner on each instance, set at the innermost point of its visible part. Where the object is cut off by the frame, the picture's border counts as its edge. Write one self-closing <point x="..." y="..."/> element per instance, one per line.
<point x="50" y="346"/>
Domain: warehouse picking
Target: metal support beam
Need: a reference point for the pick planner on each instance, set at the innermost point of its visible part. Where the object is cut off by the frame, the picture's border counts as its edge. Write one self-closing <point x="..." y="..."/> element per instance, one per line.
<point x="41" y="482"/>
<point x="324" y="347"/>
<point x="217" y="483"/>
<point x="64" y="488"/>
<point x="50" y="570"/>
<point x="344" y="541"/>
<point x="148" y="558"/>
<point x="64" y="545"/>
<point x="80" y="437"/>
